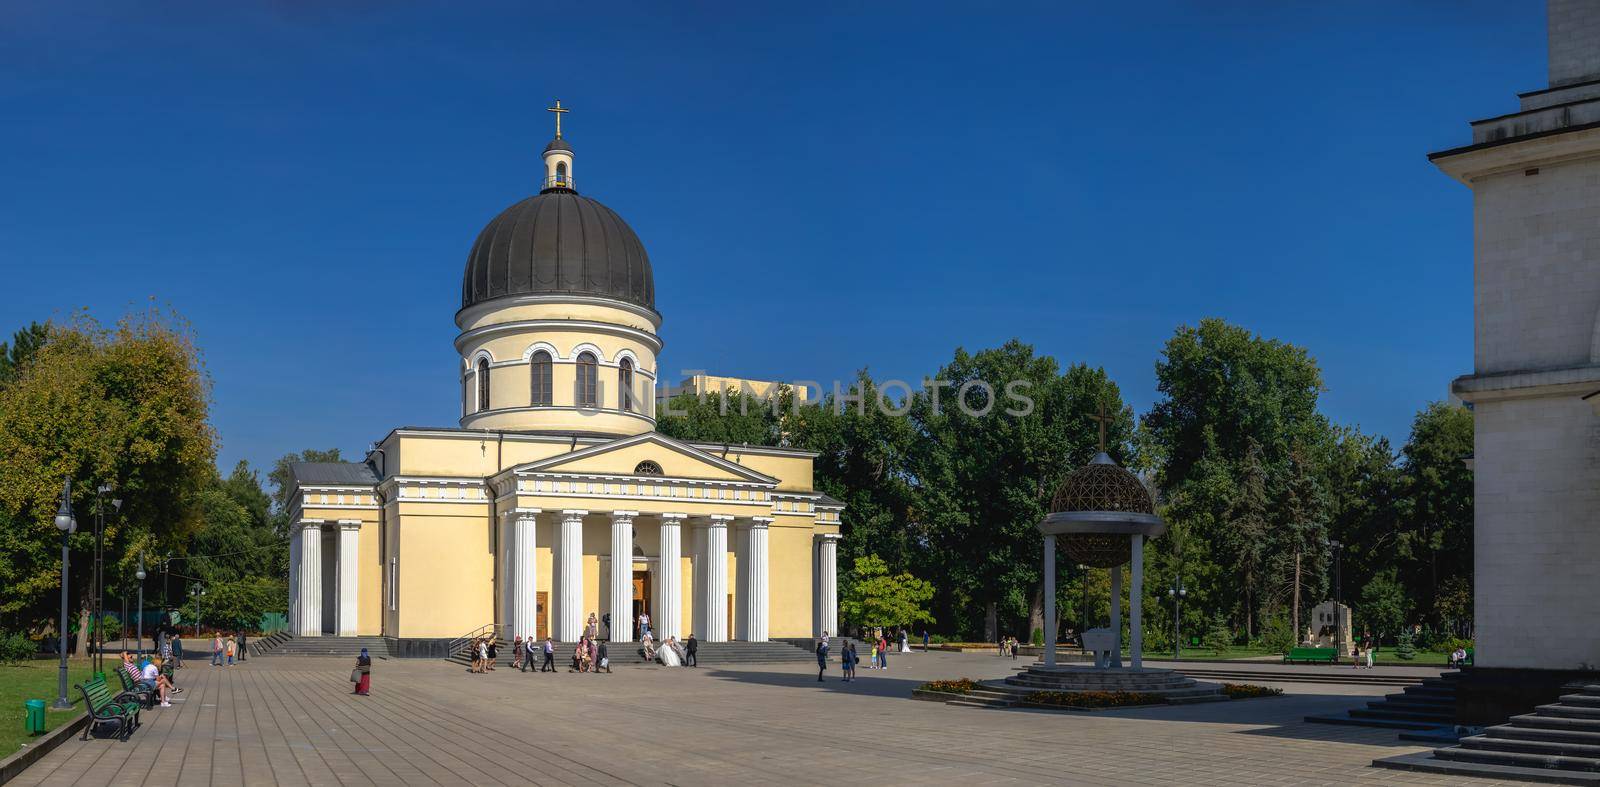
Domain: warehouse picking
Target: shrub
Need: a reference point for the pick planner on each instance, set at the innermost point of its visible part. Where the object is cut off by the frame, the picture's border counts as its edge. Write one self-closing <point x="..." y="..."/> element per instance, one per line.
<point x="1219" y="637"/>
<point x="1243" y="691"/>
<point x="957" y="686"/>
<point x="15" y="648"/>
<point x="1037" y="637"/>
<point x="1095" y="699"/>
<point x="1449" y="644"/>
<point x="1405" y="649"/>
<point x="1277" y="637"/>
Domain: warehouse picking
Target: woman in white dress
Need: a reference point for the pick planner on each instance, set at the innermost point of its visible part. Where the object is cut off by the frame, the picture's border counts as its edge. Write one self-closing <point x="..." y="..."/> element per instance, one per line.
<point x="668" y="653"/>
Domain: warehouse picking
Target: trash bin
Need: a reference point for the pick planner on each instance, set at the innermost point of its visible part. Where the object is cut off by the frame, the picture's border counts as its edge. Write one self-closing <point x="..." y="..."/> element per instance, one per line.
<point x="34" y="723"/>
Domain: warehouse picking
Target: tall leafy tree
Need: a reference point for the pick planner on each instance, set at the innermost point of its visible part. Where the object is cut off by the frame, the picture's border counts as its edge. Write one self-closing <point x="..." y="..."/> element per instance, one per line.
<point x="124" y="406"/>
<point x="16" y="354"/>
<point x="1435" y="542"/>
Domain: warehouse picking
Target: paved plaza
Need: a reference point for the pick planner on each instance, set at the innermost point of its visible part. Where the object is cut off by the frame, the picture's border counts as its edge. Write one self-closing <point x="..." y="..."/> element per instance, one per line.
<point x="290" y="720"/>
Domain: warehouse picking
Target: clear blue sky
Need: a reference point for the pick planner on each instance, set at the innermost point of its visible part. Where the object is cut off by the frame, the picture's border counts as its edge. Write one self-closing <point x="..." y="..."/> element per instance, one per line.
<point x="855" y="185"/>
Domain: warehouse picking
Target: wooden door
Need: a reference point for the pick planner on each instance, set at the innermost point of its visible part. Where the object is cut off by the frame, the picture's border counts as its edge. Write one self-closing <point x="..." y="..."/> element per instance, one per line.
<point x="641" y="598"/>
<point x="541" y="627"/>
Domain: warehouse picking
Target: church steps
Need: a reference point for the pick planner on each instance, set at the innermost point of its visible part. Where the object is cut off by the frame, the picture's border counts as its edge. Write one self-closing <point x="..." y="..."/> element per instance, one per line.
<point x="1532" y="746"/>
<point x="1428" y="705"/>
<point x="1559" y="741"/>
<point x="709" y="654"/>
<point x="321" y="646"/>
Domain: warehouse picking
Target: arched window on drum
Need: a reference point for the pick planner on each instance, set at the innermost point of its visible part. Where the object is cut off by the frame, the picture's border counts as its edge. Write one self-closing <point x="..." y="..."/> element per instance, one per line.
<point x="541" y="382"/>
<point x="588" y="380"/>
<point x="483" y="384"/>
<point x="625" y="384"/>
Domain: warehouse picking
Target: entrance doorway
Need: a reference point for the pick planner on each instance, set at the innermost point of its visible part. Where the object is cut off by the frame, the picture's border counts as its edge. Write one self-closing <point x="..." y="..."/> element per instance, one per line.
<point x="730" y="617"/>
<point x="641" y="598"/>
<point x="541" y="624"/>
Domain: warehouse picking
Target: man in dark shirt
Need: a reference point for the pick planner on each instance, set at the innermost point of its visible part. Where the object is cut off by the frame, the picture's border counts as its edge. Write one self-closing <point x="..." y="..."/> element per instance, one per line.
<point x="690" y="648"/>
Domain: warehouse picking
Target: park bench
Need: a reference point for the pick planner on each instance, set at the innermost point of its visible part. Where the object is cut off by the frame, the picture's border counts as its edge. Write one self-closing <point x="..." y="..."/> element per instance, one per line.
<point x="1311" y="655"/>
<point x="146" y="697"/>
<point x="121" y="710"/>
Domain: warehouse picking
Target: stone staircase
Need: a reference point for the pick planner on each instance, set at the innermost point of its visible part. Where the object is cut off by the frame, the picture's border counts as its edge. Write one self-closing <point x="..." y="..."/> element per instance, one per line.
<point x="1426" y="706"/>
<point x="710" y="654"/>
<point x="283" y="644"/>
<point x="1559" y="743"/>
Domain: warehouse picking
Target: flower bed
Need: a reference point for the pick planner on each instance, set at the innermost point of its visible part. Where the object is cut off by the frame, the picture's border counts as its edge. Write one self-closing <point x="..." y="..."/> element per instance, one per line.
<point x="1245" y="691"/>
<point x="957" y="686"/>
<point x="1094" y="699"/>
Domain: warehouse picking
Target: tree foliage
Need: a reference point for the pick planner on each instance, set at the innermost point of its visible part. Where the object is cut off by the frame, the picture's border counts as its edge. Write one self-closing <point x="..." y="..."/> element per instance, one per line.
<point x="876" y="598"/>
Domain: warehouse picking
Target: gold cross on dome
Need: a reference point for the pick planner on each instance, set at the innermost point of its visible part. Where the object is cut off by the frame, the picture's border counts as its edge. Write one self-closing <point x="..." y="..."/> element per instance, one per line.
<point x="1103" y="419"/>
<point x="559" y="111"/>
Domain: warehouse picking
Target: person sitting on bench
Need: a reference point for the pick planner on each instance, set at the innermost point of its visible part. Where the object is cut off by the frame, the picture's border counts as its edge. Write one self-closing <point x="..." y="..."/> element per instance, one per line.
<point x="151" y="675"/>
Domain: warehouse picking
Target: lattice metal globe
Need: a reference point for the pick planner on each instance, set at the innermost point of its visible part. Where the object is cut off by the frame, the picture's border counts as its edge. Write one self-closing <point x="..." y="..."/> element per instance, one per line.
<point x="1101" y="486"/>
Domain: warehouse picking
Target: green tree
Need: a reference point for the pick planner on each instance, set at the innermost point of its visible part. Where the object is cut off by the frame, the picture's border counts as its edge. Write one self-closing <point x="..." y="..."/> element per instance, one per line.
<point x="1435" y="540"/>
<point x="124" y="406"/>
<point x="987" y="476"/>
<point x="874" y="597"/>
<point x="731" y="417"/>
<point x="20" y="350"/>
<point x="282" y="480"/>
<point x="1383" y="605"/>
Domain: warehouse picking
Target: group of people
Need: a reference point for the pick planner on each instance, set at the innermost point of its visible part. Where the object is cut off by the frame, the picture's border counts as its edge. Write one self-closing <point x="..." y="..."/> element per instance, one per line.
<point x="671" y="653"/>
<point x="484" y="651"/>
<point x="1008" y="646"/>
<point x="227" y="647"/>
<point x="148" y="675"/>
<point x="849" y="659"/>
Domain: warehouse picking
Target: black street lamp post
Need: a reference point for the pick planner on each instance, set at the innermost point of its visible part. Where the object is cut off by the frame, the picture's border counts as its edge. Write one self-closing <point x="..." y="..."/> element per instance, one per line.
<point x="67" y="524"/>
<point x="1338" y="589"/>
<point x="199" y="597"/>
<point x="1177" y="593"/>
<point x="139" y="575"/>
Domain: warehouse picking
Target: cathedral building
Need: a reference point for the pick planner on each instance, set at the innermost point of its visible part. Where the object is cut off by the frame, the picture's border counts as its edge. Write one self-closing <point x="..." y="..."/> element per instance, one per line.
<point x="554" y="498"/>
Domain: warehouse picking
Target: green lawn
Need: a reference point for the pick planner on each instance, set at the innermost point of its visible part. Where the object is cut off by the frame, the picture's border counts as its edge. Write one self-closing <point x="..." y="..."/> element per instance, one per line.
<point x="35" y="680"/>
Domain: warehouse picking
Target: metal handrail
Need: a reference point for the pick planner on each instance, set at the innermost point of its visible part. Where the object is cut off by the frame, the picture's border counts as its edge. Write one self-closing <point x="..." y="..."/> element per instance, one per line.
<point x="557" y="182"/>
<point x="454" y="645"/>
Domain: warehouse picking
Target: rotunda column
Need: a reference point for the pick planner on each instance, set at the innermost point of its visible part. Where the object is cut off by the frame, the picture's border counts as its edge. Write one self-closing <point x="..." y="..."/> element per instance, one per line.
<point x="1136" y="603"/>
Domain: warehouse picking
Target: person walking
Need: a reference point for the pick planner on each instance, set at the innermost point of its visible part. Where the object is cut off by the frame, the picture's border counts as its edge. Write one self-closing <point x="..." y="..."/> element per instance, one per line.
<point x="924" y="639"/>
<point x="363" y="673"/>
<point x="176" y="644"/>
<point x="230" y="645"/>
<point x="516" y="652"/>
<point x="492" y="653"/>
<point x="644" y="624"/>
<point x="883" y="652"/>
<point x="216" y="651"/>
<point x="845" y="667"/>
<point x="603" y="660"/>
<point x="691" y="651"/>
<point x="243" y="649"/>
<point x="822" y="658"/>
<point x="549" y="656"/>
<point x="529" y="651"/>
<point x="591" y="628"/>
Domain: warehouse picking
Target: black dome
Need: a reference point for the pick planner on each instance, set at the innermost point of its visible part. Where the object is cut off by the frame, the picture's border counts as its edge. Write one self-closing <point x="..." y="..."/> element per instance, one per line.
<point x="558" y="242"/>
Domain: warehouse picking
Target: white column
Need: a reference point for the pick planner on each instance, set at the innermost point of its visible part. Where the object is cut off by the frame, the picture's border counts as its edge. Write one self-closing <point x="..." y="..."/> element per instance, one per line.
<point x="1116" y="617"/>
<point x="828" y="584"/>
<point x="294" y="579"/>
<point x="1049" y="600"/>
<point x="524" y="572"/>
<point x="622" y="575"/>
<point x="1135" y="603"/>
<point x="668" y="618"/>
<point x="310" y="623"/>
<point x="715" y="621"/>
<point x="349" y="584"/>
<point x="754" y="593"/>
<point x="569" y="572"/>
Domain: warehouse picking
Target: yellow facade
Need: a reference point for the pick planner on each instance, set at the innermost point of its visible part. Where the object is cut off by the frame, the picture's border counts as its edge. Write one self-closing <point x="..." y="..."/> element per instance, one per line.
<point x="511" y="519"/>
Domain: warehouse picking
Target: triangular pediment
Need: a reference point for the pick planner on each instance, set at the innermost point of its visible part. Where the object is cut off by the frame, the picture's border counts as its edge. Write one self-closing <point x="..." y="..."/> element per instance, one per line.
<point x="621" y="457"/>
